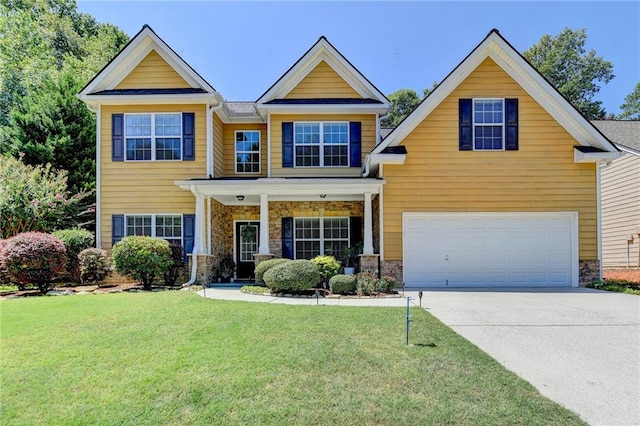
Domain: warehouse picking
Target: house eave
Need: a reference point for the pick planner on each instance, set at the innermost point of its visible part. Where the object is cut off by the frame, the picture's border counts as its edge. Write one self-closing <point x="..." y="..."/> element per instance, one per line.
<point x="204" y="98"/>
<point x="323" y="109"/>
<point x="593" y="157"/>
<point x="289" y="188"/>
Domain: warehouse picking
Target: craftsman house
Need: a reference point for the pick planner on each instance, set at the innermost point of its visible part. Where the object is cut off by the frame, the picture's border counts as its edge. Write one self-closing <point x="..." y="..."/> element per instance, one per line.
<point x="491" y="181"/>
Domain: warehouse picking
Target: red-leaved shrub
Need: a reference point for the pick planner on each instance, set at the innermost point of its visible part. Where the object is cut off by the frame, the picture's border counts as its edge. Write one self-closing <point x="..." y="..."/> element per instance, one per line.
<point x="34" y="258"/>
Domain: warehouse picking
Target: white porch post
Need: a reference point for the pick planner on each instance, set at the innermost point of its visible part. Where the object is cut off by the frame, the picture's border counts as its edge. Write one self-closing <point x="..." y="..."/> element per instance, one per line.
<point x="264" y="224"/>
<point x="200" y="239"/>
<point x="368" y="225"/>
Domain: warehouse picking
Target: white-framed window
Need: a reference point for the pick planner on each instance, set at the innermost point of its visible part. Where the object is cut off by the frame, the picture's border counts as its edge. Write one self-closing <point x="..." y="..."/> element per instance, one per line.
<point x="165" y="226"/>
<point x="153" y="136"/>
<point x="488" y="124"/>
<point x="247" y="151"/>
<point x="314" y="236"/>
<point x="321" y="144"/>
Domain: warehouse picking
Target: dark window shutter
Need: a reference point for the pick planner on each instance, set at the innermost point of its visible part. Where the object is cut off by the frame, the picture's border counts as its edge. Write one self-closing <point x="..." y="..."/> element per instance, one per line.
<point x="117" y="228"/>
<point x="287" y="144"/>
<point x="355" y="144"/>
<point x="117" y="137"/>
<point x="188" y="234"/>
<point x="355" y="226"/>
<point x="466" y="125"/>
<point x="287" y="237"/>
<point x="511" y="125"/>
<point x="188" y="136"/>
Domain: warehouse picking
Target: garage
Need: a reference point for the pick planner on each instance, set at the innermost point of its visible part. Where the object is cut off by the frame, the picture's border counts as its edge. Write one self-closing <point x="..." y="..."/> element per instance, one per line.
<point x="490" y="249"/>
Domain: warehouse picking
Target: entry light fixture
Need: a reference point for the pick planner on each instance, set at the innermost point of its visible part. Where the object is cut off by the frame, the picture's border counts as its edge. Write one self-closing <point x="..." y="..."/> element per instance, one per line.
<point x="323" y="196"/>
<point x="240" y="197"/>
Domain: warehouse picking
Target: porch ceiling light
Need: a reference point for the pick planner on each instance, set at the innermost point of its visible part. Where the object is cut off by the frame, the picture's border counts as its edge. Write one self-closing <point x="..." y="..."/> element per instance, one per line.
<point x="323" y="195"/>
<point x="240" y="197"/>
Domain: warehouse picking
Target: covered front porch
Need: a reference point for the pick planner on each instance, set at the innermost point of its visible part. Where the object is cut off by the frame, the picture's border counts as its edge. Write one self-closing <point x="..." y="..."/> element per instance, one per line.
<point x="252" y="220"/>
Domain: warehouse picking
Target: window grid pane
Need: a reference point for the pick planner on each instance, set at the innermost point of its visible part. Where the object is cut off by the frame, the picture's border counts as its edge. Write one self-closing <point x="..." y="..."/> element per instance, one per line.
<point x="139" y="225"/>
<point x="139" y="149"/>
<point x="168" y="148"/>
<point x="248" y="152"/>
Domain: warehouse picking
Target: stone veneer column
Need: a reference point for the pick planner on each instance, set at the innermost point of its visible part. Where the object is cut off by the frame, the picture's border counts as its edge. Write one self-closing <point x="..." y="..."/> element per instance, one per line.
<point x="204" y="270"/>
<point x="369" y="263"/>
<point x="258" y="258"/>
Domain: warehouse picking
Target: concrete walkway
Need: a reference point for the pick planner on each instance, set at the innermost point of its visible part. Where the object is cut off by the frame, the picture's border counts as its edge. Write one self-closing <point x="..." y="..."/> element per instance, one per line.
<point x="234" y="293"/>
<point x="579" y="347"/>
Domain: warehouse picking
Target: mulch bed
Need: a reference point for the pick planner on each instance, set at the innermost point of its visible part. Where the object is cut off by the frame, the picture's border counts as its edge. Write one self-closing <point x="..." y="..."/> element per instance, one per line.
<point x="630" y="274"/>
<point x="93" y="289"/>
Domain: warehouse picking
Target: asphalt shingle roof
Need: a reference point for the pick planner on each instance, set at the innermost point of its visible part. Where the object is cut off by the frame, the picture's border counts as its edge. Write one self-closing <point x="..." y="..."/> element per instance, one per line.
<point x="620" y="132"/>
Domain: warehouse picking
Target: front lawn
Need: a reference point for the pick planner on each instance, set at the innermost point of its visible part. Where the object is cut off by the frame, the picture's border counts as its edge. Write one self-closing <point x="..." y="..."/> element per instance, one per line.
<point x="176" y="358"/>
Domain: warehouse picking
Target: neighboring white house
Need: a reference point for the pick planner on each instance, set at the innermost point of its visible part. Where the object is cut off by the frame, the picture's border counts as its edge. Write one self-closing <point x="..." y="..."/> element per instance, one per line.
<point x="620" y="183"/>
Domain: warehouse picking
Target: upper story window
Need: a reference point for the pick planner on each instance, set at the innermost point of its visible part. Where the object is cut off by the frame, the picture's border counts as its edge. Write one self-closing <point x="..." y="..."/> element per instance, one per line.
<point x="321" y="144"/>
<point x="248" y="151"/>
<point x="153" y="137"/>
<point x="488" y="124"/>
<point x="168" y="227"/>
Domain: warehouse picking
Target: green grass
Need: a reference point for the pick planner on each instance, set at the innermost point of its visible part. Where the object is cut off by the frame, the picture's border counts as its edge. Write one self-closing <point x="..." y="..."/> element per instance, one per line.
<point x="175" y="358"/>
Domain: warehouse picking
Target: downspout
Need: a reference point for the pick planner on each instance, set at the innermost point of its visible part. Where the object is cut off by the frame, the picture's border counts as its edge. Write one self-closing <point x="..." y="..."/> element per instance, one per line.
<point x="98" y="159"/>
<point x="599" y="165"/>
<point x="210" y="148"/>
<point x="268" y="144"/>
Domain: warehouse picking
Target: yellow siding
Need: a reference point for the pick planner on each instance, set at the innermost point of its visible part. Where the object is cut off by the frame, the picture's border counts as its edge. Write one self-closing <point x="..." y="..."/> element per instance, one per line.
<point x="218" y="141"/>
<point x="540" y="176"/>
<point x="230" y="151"/>
<point x="322" y="82"/>
<point x="368" y="142"/>
<point x="129" y="187"/>
<point x="153" y="72"/>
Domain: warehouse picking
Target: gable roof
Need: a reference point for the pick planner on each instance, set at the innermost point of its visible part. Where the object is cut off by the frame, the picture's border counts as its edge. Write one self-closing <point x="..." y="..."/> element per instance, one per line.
<point x="322" y="50"/>
<point x="624" y="134"/>
<point x="497" y="48"/>
<point x="104" y="83"/>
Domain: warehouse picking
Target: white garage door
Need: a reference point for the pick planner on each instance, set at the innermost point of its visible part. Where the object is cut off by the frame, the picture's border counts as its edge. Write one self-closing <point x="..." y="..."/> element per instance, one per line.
<point x="489" y="249"/>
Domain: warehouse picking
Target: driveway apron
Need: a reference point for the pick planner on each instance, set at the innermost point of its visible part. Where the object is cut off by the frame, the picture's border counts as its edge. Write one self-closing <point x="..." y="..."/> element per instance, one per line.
<point x="579" y="347"/>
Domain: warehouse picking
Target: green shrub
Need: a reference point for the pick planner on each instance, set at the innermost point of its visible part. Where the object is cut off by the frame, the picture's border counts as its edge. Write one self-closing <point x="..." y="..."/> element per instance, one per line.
<point x="74" y="240"/>
<point x="5" y="279"/>
<point x="95" y="265"/>
<point x="142" y="258"/>
<point x="34" y="258"/>
<point x="296" y="275"/>
<point x="368" y="283"/>
<point x="176" y="264"/>
<point x="327" y="266"/>
<point x="343" y="284"/>
<point x="265" y="266"/>
<point x="386" y="284"/>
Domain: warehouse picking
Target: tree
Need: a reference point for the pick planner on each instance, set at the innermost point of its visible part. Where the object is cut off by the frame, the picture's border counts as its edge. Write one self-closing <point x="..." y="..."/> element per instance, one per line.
<point x="48" y="51"/>
<point x="576" y="73"/>
<point x="631" y="106"/>
<point x="403" y="101"/>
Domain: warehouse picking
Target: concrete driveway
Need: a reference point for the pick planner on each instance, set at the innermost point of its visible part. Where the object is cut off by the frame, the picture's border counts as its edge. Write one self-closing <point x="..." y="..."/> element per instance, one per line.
<point x="579" y="347"/>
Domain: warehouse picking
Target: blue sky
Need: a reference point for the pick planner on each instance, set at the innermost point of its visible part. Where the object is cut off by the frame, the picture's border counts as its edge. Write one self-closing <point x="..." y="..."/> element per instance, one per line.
<point x="241" y="48"/>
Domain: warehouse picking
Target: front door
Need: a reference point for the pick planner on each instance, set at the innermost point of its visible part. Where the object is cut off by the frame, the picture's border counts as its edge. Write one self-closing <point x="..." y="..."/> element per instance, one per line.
<point x="247" y="242"/>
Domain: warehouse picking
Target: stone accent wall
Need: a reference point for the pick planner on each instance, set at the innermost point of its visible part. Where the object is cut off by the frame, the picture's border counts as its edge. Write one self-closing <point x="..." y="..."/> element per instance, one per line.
<point x="280" y="209"/>
<point x="369" y="263"/>
<point x="375" y="216"/>
<point x="393" y="268"/>
<point x="588" y="272"/>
